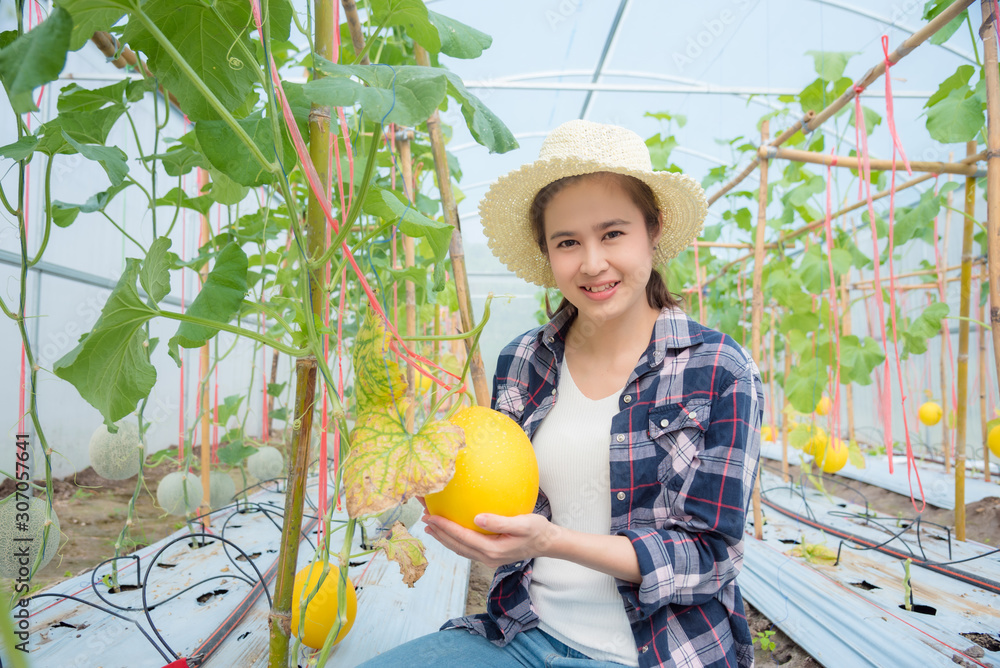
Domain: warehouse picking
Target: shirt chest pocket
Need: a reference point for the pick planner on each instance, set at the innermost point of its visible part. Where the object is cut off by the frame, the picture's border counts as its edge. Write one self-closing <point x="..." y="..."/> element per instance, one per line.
<point x="678" y="432"/>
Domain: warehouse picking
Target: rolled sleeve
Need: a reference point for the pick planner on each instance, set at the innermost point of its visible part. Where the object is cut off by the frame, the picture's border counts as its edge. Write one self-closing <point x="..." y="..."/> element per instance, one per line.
<point x="699" y="549"/>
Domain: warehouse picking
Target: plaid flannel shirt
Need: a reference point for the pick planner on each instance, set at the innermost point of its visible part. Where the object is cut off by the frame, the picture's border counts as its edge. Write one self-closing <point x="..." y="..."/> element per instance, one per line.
<point x="684" y="451"/>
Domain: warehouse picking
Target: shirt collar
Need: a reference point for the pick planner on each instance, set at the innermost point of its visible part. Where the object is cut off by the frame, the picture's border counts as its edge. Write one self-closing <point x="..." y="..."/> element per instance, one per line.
<point x="673" y="330"/>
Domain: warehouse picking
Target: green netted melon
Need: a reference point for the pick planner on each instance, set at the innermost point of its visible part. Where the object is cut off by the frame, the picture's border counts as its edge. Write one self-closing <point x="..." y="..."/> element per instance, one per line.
<point x="266" y="463"/>
<point x="221" y="490"/>
<point x="171" y="493"/>
<point x="14" y="526"/>
<point x="117" y="456"/>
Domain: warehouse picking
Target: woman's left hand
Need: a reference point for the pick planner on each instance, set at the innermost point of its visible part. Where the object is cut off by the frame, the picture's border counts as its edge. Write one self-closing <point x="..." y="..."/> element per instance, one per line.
<point x="514" y="538"/>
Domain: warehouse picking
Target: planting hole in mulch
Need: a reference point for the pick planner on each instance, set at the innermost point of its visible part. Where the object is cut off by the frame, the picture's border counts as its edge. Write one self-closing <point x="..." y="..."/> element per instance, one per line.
<point x="864" y="584"/>
<point x="195" y="544"/>
<point x="790" y="541"/>
<point x="984" y="640"/>
<point x="206" y="597"/>
<point x="920" y="608"/>
<point x="243" y="558"/>
<point x="121" y="588"/>
<point x="166" y="565"/>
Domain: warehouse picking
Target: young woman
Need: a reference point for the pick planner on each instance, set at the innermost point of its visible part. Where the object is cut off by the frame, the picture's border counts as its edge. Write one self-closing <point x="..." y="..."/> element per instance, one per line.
<point x="645" y="423"/>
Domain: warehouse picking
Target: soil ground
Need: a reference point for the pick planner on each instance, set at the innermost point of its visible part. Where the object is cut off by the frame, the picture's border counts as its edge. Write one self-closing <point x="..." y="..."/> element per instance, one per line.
<point x="92" y="510"/>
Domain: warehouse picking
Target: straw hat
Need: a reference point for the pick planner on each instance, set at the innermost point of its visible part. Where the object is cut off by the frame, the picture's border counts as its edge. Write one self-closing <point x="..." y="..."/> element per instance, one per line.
<point x="583" y="147"/>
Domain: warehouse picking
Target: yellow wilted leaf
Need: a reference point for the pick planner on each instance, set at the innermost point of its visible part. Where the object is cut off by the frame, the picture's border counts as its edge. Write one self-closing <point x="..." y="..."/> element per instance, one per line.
<point x="387" y="465"/>
<point x="406" y="551"/>
<point x="378" y="380"/>
<point x="814" y="553"/>
<point x="854" y="455"/>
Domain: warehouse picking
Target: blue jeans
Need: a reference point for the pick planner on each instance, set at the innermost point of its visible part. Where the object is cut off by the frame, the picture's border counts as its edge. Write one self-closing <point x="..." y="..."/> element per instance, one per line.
<point x="458" y="647"/>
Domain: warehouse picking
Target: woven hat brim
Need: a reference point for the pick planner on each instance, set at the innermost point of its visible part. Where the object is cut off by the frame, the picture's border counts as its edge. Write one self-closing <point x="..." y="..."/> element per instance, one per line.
<point x="505" y="206"/>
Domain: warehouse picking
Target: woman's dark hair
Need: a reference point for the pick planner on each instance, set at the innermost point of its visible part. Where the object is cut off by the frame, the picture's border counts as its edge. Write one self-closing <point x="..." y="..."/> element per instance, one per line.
<point x="657" y="294"/>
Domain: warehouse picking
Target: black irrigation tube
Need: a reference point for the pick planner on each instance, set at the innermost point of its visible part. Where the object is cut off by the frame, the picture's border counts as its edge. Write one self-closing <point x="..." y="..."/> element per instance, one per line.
<point x="941" y="567"/>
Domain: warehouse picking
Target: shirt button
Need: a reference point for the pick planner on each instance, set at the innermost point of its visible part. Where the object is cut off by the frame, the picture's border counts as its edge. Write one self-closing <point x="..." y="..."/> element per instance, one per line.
<point x="520" y="407"/>
<point x="644" y="649"/>
<point x="551" y="339"/>
<point x="621" y="496"/>
<point x="553" y="392"/>
<point x="627" y="399"/>
<point x="620" y="438"/>
<point x="693" y="415"/>
<point x="664" y="422"/>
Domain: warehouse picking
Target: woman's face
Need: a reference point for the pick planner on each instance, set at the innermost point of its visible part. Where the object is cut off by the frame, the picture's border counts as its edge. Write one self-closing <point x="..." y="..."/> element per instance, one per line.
<point x="598" y="248"/>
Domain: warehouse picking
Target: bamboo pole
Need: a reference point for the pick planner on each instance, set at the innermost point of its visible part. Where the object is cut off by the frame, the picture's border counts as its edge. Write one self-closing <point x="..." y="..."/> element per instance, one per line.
<point x="410" y="259"/>
<point x="806" y="229"/>
<point x="784" y="419"/>
<point x="280" y="618"/>
<point x="983" y="382"/>
<point x="963" y="353"/>
<point x="719" y="244"/>
<point x="846" y="331"/>
<point x="856" y="162"/>
<point x="457" y="252"/>
<point x="748" y="170"/>
<point x="354" y="25"/>
<point x="910" y="43"/>
<point x="203" y="366"/>
<point x="270" y="397"/>
<point x="988" y="35"/>
<point x="945" y="335"/>
<point x="757" y="305"/>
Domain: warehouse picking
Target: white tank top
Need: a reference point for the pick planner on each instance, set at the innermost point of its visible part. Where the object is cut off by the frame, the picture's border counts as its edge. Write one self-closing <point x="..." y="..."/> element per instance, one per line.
<point x="577" y="605"/>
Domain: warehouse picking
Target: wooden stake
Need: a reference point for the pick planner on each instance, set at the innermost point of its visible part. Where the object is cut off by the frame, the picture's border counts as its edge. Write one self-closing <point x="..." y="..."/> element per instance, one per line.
<point x="457" y="252"/>
<point x="963" y="352"/>
<point x="983" y="380"/>
<point x="988" y="35"/>
<point x="784" y="420"/>
<point x="942" y="297"/>
<point x="410" y="259"/>
<point x="203" y="365"/>
<point x="280" y="619"/>
<point x="855" y="162"/>
<point x="758" y="303"/>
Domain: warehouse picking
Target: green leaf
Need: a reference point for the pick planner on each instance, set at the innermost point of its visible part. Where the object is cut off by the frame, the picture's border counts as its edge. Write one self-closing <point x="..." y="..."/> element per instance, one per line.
<point x="926" y="326"/>
<point x="918" y="221"/>
<point x="155" y="274"/>
<point x="457" y="39"/>
<point x="388" y="465"/>
<point x="956" y="118"/>
<point x="95" y="203"/>
<point x="275" y="389"/>
<point x="815" y="270"/>
<point x="111" y="158"/>
<point x="279" y="414"/>
<point x="390" y="206"/>
<point x="871" y="119"/>
<point x="224" y="190"/>
<point x="34" y="59"/>
<point x="231" y="156"/>
<point x="21" y="149"/>
<point x="957" y="81"/>
<point x="109" y="367"/>
<point x="181" y="200"/>
<point x="485" y="126"/>
<point x="804" y="322"/>
<point x="830" y="65"/>
<point x="660" y="148"/>
<point x="934" y="7"/>
<point x="219" y="300"/>
<point x="406" y="95"/>
<point x="234" y="452"/>
<point x="89" y="16"/>
<point x="805" y="384"/>
<point x="178" y="160"/>
<point x="411" y="14"/>
<point x="203" y="34"/>
<point x="230" y="407"/>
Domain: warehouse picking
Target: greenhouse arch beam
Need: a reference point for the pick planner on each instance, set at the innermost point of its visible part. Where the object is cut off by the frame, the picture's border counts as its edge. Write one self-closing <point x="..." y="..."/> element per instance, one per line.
<point x="703" y="89"/>
<point x="609" y="44"/>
